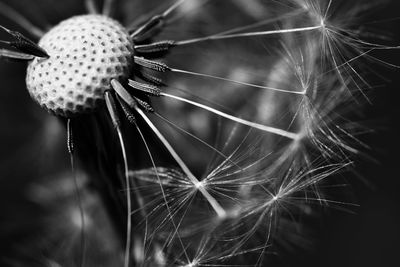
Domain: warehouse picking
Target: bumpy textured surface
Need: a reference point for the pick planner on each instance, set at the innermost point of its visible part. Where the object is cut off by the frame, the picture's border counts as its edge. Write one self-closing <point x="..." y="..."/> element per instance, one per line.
<point x="86" y="52"/>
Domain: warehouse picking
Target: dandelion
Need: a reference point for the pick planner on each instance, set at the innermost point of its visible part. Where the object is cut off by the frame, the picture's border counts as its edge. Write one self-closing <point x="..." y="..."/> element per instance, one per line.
<point x="214" y="197"/>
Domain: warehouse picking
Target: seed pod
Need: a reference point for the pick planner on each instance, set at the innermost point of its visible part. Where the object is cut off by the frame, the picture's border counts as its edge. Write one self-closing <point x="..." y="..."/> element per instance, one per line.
<point x="86" y="53"/>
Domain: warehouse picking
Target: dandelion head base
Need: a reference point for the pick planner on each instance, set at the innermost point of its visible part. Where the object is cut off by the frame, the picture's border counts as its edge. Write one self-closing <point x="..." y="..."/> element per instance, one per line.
<point x="86" y="53"/>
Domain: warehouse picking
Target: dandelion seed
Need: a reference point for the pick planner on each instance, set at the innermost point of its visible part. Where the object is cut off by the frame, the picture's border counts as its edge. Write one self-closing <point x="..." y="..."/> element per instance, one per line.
<point x="91" y="67"/>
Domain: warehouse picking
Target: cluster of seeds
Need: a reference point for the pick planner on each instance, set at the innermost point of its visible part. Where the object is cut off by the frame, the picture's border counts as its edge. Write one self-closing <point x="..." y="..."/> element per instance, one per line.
<point x="86" y="53"/>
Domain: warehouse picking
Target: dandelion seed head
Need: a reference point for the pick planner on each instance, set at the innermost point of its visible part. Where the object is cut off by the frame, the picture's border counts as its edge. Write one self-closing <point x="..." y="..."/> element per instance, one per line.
<point x="256" y="187"/>
<point x="86" y="53"/>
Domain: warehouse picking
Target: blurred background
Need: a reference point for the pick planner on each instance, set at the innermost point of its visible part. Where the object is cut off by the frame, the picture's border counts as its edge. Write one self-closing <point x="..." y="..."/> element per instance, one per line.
<point x="34" y="161"/>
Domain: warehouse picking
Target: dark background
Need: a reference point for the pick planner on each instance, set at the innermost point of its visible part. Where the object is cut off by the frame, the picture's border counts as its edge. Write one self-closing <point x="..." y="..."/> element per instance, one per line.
<point x="368" y="237"/>
<point x="371" y="236"/>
